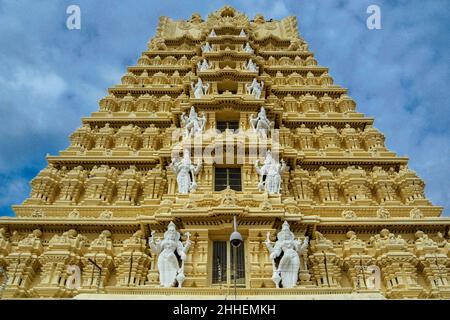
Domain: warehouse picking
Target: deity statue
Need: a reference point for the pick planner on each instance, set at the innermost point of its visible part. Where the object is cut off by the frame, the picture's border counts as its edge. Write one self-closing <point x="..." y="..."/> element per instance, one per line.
<point x="289" y="265"/>
<point x="272" y="170"/>
<point x="261" y="124"/>
<point x="184" y="169"/>
<point x="168" y="264"/>
<point x="193" y="124"/>
<point x="251" y="66"/>
<point x="203" y="66"/>
<point x="206" y="48"/>
<point x="199" y="88"/>
<point x="213" y="34"/>
<point x="255" y="88"/>
<point x="247" y="48"/>
<point x="242" y="34"/>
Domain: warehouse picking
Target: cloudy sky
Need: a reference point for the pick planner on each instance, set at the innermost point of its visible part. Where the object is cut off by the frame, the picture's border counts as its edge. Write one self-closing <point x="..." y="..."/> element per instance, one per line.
<point x="51" y="76"/>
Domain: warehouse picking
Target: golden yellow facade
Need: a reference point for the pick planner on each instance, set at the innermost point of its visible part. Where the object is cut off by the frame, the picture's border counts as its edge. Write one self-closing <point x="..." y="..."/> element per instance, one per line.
<point x="99" y="199"/>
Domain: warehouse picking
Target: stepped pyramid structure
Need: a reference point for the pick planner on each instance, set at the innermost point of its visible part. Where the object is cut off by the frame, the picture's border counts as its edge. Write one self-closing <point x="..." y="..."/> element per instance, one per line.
<point x="221" y="118"/>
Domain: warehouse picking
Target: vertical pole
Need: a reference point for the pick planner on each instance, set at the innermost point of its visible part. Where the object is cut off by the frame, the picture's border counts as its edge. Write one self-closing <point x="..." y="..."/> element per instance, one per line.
<point x="131" y="266"/>
<point x="234" y="264"/>
<point x="326" y="268"/>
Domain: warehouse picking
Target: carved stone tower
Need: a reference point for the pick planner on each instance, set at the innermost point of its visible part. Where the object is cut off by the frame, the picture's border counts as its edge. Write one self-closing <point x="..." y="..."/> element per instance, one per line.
<point x="226" y="90"/>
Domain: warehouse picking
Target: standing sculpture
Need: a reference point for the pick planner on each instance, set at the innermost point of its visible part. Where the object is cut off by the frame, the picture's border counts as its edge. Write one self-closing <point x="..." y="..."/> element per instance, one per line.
<point x="261" y="125"/>
<point x="247" y="48"/>
<point x="251" y="66"/>
<point x="272" y="170"/>
<point x="168" y="265"/>
<point x="185" y="170"/>
<point x="203" y="66"/>
<point x="255" y="88"/>
<point x="206" y="48"/>
<point x="193" y="124"/>
<point x="287" y="270"/>
<point x="199" y="88"/>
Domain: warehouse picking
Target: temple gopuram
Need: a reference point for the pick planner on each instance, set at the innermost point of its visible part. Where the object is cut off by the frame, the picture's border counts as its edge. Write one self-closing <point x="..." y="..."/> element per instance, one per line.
<point x="226" y="124"/>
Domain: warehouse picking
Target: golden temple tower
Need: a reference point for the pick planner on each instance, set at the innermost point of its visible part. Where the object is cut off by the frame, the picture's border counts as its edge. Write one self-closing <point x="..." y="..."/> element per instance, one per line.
<point x="266" y="137"/>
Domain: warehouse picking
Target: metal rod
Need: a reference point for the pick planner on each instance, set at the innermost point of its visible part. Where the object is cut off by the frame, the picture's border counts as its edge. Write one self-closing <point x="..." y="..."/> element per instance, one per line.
<point x="131" y="266"/>
<point x="234" y="271"/>
<point x="100" y="273"/>
<point x="326" y="268"/>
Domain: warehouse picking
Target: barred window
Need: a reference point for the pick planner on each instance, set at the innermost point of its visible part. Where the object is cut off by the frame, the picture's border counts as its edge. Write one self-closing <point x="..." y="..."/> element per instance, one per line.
<point x="227" y="177"/>
<point x="223" y="125"/>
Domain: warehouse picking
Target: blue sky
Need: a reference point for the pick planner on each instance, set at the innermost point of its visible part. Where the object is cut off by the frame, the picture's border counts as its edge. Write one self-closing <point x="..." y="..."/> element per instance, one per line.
<point x="50" y="76"/>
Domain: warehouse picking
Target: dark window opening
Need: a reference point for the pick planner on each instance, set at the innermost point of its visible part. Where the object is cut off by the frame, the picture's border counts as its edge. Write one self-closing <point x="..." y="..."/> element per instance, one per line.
<point x="223" y="125"/>
<point x="228" y="177"/>
<point x="219" y="262"/>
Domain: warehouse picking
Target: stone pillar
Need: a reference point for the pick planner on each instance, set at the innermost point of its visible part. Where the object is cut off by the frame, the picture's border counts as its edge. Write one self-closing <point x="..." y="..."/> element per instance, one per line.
<point x="196" y="263"/>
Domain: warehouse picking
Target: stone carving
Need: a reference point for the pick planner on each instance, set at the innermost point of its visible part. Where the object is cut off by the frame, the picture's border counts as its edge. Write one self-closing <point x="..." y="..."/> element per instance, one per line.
<point x="101" y="184"/>
<point x="157" y="43"/>
<point x="128" y="137"/>
<point x="348" y="214"/>
<point x="355" y="185"/>
<point x="261" y="125"/>
<point x="129" y="186"/>
<point x="74" y="214"/>
<point x="302" y="184"/>
<point x="104" y="137"/>
<point x="272" y="170"/>
<point x="33" y="239"/>
<point x="255" y="88"/>
<point x="206" y="47"/>
<point x="411" y="186"/>
<point x="287" y="270"/>
<point x="212" y="34"/>
<point x="203" y="65"/>
<point x="72" y="185"/>
<point x="107" y="214"/>
<point x="247" y="48"/>
<point x="305" y="138"/>
<point x="251" y="66"/>
<point x="228" y="197"/>
<point x="46" y="185"/>
<point x="242" y="33"/>
<point x="184" y="169"/>
<point x="327" y="185"/>
<point x="350" y="137"/>
<point x="199" y="89"/>
<point x="38" y="213"/>
<point x="384" y="185"/>
<point x="383" y="213"/>
<point x="168" y="264"/>
<point x="416" y="213"/>
<point x="193" y="125"/>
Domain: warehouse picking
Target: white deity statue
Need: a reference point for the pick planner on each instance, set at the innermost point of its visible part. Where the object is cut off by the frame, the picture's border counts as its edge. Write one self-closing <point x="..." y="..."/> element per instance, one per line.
<point x="261" y="125"/>
<point x="206" y="48"/>
<point x="199" y="88"/>
<point x="242" y="34"/>
<point x="168" y="264"/>
<point x="255" y="88"/>
<point x="247" y="48"/>
<point x="203" y="66"/>
<point x="186" y="172"/>
<point x="251" y="66"/>
<point x="193" y="124"/>
<point x="272" y="170"/>
<point x="289" y="265"/>
<point x="213" y="34"/>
